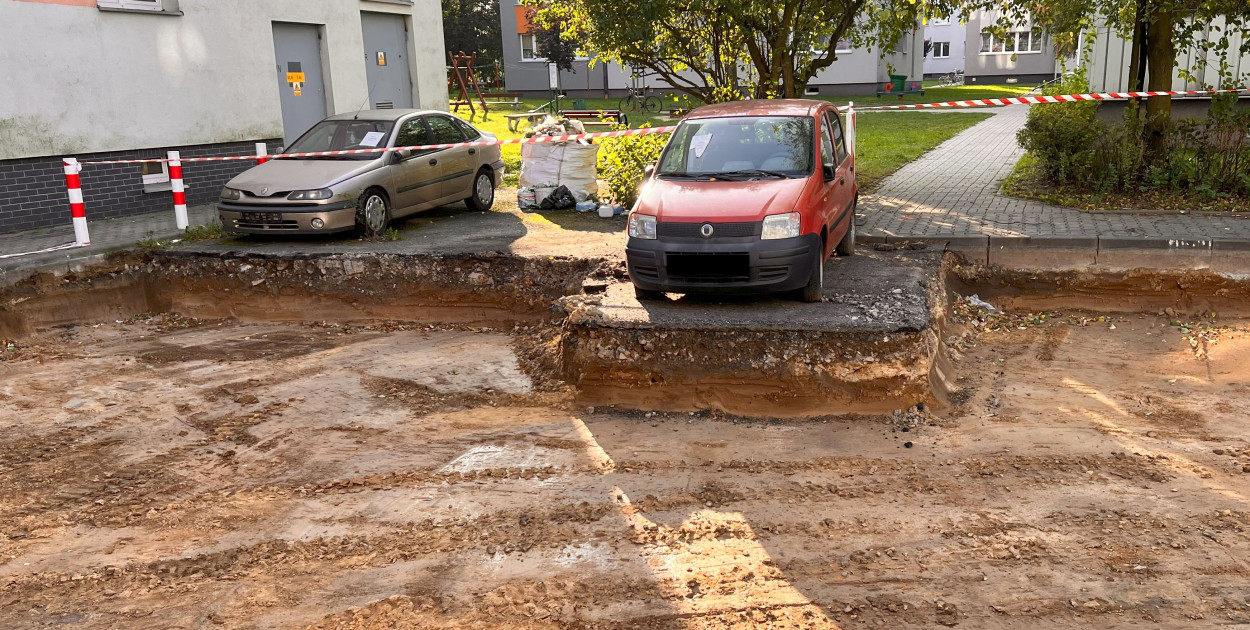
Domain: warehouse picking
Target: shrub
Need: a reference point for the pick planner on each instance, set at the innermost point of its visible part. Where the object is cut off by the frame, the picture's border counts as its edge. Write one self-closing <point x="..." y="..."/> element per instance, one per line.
<point x="622" y="160"/>
<point x="1207" y="156"/>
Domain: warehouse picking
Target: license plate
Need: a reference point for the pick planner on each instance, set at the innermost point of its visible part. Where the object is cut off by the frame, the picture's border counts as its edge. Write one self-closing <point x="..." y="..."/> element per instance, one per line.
<point x="262" y="217"/>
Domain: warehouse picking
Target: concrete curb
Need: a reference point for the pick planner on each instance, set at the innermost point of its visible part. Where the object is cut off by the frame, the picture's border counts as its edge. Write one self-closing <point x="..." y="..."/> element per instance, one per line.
<point x="1108" y="253"/>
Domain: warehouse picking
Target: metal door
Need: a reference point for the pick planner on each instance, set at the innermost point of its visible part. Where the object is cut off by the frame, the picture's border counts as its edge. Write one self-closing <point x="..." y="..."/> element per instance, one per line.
<point x="386" y="60"/>
<point x="297" y="48"/>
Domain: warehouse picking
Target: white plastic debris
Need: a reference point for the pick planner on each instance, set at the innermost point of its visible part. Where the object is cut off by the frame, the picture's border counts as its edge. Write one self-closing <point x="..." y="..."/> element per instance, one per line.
<point x="976" y="301"/>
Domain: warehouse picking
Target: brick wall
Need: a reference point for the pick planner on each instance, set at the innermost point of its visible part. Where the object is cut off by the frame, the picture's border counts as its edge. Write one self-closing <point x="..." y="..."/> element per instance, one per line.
<point x="32" y="191"/>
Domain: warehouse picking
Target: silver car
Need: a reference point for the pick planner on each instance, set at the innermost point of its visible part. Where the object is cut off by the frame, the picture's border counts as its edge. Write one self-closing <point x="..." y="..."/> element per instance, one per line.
<point x="363" y="192"/>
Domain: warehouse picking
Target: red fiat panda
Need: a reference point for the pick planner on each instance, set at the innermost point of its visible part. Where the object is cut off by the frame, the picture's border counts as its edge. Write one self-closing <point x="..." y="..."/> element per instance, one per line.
<point x="747" y="196"/>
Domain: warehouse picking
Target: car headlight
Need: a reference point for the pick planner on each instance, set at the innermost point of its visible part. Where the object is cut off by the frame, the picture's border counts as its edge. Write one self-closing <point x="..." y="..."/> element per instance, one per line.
<point x="310" y="195"/>
<point x="230" y="194"/>
<point x="642" y="226"/>
<point x="781" y="226"/>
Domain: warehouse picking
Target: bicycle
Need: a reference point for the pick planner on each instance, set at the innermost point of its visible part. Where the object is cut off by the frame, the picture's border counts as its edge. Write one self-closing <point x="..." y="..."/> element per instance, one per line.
<point x="636" y="100"/>
<point x="951" y="80"/>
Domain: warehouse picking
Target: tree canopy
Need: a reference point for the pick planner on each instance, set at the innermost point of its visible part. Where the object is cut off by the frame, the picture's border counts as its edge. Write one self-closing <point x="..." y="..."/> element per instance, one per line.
<point x="720" y="50"/>
<point x="472" y="26"/>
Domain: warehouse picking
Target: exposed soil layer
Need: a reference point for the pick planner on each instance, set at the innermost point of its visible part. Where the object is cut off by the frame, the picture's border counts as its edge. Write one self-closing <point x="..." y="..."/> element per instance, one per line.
<point x="157" y="473"/>
<point x="478" y="289"/>
<point x="1195" y="292"/>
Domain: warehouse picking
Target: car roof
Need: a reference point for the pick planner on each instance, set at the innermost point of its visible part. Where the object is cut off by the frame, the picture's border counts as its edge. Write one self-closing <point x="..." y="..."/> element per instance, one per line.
<point x="759" y="107"/>
<point x="390" y="115"/>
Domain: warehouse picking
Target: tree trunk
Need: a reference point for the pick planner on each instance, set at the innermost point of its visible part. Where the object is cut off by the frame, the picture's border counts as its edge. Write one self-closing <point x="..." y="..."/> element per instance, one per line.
<point x="1161" y="61"/>
<point x="1136" y="62"/>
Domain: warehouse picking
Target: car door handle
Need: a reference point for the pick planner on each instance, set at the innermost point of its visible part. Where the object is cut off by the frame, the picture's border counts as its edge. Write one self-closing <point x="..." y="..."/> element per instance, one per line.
<point x="472" y="151"/>
<point x="433" y="162"/>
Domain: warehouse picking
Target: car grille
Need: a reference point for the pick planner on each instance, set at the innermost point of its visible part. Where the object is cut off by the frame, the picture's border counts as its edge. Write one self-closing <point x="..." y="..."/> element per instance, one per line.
<point x="284" y="224"/>
<point x="720" y="230"/>
<point x="710" y="267"/>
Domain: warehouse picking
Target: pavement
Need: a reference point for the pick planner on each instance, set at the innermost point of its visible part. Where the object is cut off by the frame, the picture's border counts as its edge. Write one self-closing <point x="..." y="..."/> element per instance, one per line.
<point x="107" y="236"/>
<point x="952" y="194"/>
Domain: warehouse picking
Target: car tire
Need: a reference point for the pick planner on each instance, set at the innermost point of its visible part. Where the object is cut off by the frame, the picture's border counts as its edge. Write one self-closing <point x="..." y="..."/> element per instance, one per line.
<point x="647" y="294"/>
<point x="373" y="213"/>
<point x="482" y="196"/>
<point x="815" y="289"/>
<point x="846" y="246"/>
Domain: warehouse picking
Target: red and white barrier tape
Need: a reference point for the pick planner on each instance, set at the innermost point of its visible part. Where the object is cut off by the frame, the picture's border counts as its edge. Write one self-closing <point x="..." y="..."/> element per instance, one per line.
<point x="45" y="250"/>
<point x="480" y="143"/>
<point x="1040" y="100"/>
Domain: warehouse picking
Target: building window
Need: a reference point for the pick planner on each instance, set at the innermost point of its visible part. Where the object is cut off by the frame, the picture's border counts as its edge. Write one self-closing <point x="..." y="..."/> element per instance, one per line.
<point x="529" y="48"/>
<point x="843" y="47"/>
<point x="141" y="5"/>
<point x="941" y="50"/>
<point x="155" y="176"/>
<point x="939" y="21"/>
<point x="1017" y="42"/>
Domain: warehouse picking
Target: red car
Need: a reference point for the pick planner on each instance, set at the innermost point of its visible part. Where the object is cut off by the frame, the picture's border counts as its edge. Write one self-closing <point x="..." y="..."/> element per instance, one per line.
<point x="750" y="196"/>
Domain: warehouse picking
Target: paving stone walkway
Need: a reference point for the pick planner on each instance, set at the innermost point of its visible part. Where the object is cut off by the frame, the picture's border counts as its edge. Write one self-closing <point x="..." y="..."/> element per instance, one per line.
<point x="953" y="191"/>
<point x="107" y="235"/>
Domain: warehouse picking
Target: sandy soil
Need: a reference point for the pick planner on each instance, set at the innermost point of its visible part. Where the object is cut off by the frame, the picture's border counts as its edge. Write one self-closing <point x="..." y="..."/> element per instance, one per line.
<point x="165" y="473"/>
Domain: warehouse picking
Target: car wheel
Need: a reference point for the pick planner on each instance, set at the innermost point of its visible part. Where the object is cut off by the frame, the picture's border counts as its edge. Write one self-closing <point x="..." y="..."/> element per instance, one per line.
<point x="846" y="246"/>
<point x="483" y="196"/>
<point x="647" y="294"/>
<point x="373" y="214"/>
<point x="815" y="289"/>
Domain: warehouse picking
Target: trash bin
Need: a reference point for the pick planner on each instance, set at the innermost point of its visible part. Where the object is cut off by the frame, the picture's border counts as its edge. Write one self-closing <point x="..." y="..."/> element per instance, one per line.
<point x="899" y="81"/>
<point x="580" y="103"/>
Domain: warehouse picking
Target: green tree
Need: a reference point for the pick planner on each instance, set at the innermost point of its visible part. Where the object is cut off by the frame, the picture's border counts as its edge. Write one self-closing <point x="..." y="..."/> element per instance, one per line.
<point x="472" y="26"/>
<point x="718" y="50"/>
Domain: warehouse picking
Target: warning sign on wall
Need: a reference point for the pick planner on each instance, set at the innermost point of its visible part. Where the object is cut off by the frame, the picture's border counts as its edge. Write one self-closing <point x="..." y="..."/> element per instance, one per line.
<point x="299" y="88"/>
<point x="295" y="77"/>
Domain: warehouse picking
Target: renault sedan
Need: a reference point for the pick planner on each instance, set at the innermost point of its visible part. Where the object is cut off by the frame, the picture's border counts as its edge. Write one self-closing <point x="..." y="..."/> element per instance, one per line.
<point x="364" y="192"/>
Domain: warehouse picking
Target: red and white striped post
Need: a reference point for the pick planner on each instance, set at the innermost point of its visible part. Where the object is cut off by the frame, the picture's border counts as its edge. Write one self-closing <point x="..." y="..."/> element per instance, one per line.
<point x="180" y="194"/>
<point x="262" y="151"/>
<point x="77" y="208"/>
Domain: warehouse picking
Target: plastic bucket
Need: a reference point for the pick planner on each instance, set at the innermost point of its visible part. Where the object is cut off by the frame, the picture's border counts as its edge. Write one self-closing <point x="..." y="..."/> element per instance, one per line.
<point x="542" y="192"/>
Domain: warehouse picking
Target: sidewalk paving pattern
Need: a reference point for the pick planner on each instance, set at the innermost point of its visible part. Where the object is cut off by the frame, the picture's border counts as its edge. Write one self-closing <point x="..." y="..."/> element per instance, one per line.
<point x="952" y="191"/>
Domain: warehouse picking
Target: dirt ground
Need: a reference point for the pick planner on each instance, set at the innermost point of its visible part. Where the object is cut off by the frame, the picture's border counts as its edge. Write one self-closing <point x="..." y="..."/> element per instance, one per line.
<point x="172" y="474"/>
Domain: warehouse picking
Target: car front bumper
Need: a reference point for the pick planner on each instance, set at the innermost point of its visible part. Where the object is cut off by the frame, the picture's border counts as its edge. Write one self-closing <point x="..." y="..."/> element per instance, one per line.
<point x="277" y="219"/>
<point x="747" y="266"/>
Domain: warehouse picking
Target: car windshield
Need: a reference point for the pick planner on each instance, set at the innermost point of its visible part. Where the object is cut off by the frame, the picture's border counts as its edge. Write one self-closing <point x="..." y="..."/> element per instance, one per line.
<point x="342" y="135"/>
<point x="740" y="147"/>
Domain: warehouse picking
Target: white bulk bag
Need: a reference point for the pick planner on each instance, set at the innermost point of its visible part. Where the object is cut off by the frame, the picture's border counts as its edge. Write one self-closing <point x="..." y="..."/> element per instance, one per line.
<point x="560" y="164"/>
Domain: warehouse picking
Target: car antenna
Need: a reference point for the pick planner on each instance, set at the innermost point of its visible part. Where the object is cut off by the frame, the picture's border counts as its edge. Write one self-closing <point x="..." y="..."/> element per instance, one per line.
<point x="368" y="98"/>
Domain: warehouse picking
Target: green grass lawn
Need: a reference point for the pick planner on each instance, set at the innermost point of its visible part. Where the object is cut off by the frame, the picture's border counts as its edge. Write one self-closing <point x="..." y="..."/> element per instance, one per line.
<point x="886" y="140"/>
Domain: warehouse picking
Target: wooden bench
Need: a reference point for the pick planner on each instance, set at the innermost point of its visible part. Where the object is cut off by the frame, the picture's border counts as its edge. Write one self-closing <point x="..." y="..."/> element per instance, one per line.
<point x="597" y="119"/>
<point x="499" y="98"/>
<point x="908" y="87"/>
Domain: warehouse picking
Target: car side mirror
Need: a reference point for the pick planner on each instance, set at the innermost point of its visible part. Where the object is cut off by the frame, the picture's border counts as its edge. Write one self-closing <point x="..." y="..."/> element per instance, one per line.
<point x="648" y="171"/>
<point x="400" y="156"/>
<point x="280" y="150"/>
<point x="830" y="172"/>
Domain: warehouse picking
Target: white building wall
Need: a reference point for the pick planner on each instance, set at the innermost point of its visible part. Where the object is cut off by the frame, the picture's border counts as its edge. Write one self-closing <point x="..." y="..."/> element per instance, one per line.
<point x="80" y="80"/>
<point x="953" y="33"/>
<point x="1111" y="54"/>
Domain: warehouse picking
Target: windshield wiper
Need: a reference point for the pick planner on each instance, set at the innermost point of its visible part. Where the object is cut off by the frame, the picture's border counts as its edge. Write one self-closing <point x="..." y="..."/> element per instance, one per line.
<point x="687" y="175"/>
<point x="751" y="172"/>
